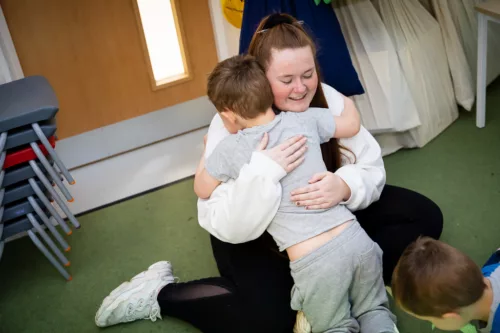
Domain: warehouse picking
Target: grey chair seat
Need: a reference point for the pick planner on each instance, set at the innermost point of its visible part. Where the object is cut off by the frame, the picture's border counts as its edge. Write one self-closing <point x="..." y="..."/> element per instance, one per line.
<point x="17" y="226"/>
<point x="17" y="209"/>
<point x="24" y="135"/>
<point x="26" y="101"/>
<point x="20" y="191"/>
<point x="21" y="172"/>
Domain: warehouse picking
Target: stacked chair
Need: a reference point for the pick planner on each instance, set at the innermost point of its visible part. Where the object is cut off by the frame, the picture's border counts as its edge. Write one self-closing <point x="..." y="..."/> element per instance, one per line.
<point x="30" y="169"/>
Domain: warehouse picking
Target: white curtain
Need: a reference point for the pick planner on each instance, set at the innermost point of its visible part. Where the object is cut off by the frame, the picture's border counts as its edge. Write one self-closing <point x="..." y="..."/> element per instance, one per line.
<point x="10" y="68"/>
<point x="463" y="83"/>
<point x="464" y="20"/>
<point x="387" y="105"/>
<point x="458" y="21"/>
<point x="428" y="5"/>
<point x="398" y="50"/>
<point x="422" y="55"/>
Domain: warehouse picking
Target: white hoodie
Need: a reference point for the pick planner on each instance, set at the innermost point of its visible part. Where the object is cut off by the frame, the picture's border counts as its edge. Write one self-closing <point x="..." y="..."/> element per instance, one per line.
<point x="241" y="210"/>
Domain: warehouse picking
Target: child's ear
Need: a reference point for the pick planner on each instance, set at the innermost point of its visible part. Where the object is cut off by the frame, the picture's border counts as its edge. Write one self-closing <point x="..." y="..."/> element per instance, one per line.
<point x="229" y="115"/>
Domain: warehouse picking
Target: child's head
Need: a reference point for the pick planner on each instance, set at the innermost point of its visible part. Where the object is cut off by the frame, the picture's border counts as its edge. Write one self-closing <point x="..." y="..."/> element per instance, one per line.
<point x="239" y="89"/>
<point x="436" y="282"/>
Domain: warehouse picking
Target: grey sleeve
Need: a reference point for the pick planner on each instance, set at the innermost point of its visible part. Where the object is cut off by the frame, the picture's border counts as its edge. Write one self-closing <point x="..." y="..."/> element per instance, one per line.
<point x="219" y="164"/>
<point x="325" y="123"/>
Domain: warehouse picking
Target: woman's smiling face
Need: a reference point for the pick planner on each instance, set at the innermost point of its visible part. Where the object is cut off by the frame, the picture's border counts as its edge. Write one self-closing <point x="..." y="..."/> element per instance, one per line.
<point x="293" y="78"/>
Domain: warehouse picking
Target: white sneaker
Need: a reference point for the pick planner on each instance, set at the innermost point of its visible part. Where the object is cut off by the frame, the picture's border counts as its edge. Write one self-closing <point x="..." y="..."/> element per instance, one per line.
<point x="136" y="299"/>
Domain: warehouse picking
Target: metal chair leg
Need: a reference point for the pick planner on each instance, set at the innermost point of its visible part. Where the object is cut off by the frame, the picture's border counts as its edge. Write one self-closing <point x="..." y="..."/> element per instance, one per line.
<point x="53" y="153"/>
<point x="3" y="156"/>
<point x="53" y="193"/>
<point x="51" y="171"/>
<point x="49" y="256"/>
<point x="49" y="224"/>
<point x="49" y="206"/>
<point x="48" y="240"/>
<point x="2" y="175"/>
<point x="3" y="140"/>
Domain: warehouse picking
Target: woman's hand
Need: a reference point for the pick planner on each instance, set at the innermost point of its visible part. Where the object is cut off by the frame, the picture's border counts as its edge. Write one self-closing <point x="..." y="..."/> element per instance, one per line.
<point x="325" y="190"/>
<point x="289" y="154"/>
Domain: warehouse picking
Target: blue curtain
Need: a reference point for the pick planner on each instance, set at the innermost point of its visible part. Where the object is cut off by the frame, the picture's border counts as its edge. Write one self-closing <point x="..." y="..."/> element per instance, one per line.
<point x="321" y="22"/>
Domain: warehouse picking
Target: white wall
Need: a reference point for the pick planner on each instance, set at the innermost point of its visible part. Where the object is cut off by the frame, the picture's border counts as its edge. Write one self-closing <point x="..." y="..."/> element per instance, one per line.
<point x="227" y="37"/>
<point x="232" y="38"/>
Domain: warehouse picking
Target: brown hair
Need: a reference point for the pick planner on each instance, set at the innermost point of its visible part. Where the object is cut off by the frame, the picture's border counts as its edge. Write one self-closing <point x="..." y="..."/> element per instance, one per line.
<point x="240" y="85"/>
<point x="433" y="278"/>
<point x="282" y="31"/>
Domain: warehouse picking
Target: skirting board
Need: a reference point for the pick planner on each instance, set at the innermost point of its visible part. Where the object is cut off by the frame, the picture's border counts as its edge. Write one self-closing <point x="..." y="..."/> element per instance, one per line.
<point x="131" y="134"/>
<point x="135" y="172"/>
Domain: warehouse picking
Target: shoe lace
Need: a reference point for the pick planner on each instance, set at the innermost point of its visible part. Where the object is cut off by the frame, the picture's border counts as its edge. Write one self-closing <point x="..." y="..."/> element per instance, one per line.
<point x="155" y="313"/>
<point x="150" y="301"/>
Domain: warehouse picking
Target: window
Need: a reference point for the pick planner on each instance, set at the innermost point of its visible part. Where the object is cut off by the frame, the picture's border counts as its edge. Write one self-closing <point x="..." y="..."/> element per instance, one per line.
<point x="162" y="36"/>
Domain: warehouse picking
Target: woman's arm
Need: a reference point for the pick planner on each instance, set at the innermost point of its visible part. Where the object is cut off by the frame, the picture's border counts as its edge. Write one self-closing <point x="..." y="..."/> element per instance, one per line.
<point x="365" y="178"/>
<point x="239" y="211"/>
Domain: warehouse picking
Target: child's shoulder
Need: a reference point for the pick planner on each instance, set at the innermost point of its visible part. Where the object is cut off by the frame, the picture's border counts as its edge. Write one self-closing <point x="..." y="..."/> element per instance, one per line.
<point x="308" y="114"/>
<point x="230" y="139"/>
<point x="311" y="116"/>
<point x="227" y="144"/>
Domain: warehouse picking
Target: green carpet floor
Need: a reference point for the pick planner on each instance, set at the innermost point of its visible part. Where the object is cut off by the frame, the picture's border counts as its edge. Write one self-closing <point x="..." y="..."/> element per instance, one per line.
<point x="460" y="170"/>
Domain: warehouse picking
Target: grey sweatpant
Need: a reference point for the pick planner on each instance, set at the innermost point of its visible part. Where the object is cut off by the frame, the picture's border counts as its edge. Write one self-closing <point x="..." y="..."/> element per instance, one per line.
<point x="339" y="286"/>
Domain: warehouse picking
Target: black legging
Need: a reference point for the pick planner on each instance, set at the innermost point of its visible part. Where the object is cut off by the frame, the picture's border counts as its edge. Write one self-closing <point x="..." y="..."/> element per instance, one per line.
<point x="253" y="292"/>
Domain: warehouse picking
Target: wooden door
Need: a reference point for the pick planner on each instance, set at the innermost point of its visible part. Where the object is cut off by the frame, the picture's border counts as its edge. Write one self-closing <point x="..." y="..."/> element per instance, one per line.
<point x="93" y="53"/>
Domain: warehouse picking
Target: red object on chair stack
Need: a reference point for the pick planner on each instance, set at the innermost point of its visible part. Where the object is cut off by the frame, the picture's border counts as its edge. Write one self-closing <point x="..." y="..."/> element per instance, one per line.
<point x="26" y="154"/>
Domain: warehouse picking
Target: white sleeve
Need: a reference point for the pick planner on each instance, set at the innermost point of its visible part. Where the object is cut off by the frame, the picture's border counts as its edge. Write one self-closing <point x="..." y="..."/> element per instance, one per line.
<point x="241" y="210"/>
<point x="216" y="132"/>
<point x="366" y="177"/>
<point x="334" y="99"/>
